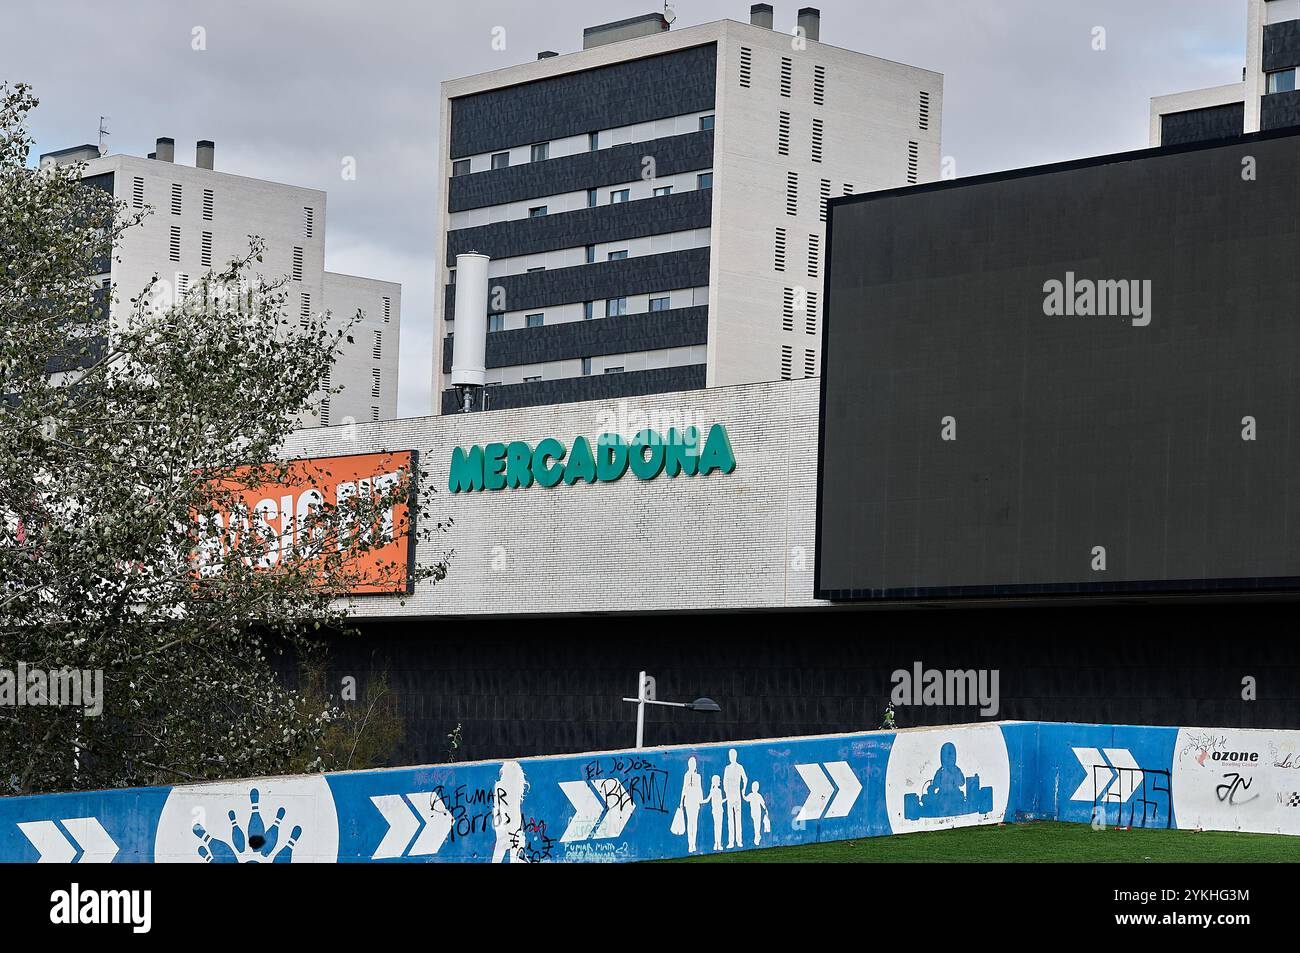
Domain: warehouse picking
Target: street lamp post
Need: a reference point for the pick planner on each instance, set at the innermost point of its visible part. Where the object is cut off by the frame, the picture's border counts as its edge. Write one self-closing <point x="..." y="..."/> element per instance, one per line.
<point x="645" y="695"/>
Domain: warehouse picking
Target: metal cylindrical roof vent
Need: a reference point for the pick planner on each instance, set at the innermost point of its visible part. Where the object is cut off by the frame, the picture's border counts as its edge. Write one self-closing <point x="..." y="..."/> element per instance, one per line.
<point x="204" y="153"/>
<point x="469" y="346"/>
<point x="760" y="14"/>
<point x="810" y="23"/>
<point x="166" y="150"/>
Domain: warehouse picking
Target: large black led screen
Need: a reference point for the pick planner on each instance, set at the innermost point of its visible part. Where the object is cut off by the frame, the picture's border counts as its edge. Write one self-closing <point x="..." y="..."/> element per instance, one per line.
<point x="1079" y="378"/>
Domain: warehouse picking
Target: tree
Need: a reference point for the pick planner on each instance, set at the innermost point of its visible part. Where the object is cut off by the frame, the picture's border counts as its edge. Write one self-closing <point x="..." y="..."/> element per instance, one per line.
<point x="127" y="545"/>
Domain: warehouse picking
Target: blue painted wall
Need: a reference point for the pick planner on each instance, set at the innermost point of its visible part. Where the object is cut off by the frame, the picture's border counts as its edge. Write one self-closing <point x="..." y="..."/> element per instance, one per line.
<point x="628" y="805"/>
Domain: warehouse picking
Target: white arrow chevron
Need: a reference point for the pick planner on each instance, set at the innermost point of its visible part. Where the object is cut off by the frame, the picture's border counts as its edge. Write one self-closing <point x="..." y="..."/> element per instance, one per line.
<point x="84" y="833"/>
<point x="94" y="840"/>
<point x="619" y="808"/>
<point x="1118" y="785"/>
<point x="588" y="807"/>
<point x="850" y="787"/>
<point x="1089" y="759"/>
<point x="402" y="825"/>
<point x="437" y="823"/>
<point x="1130" y="779"/>
<point x="820" y="790"/>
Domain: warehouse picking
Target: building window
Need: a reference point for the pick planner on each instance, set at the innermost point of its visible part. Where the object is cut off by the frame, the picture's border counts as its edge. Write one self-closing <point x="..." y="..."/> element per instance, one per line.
<point x="205" y="250"/>
<point x="617" y="255"/>
<point x="588" y="310"/>
<point x="1282" y="81"/>
<point x="176" y="199"/>
<point x="923" y="111"/>
<point x="817" y="140"/>
<point x="207" y="205"/>
<point x="377" y="352"/>
<point x="613" y="370"/>
<point x="174" y="245"/>
<point x="537" y="211"/>
<point x="593" y="196"/>
<point x="819" y="85"/>
<point x="783" y="133"/>
<point x="704" y="180"/>
<point x="591" y="254"/>
<point x="375" y="382"/>
<point x="540" y="152"/>
<point x="586" y="366"/>
<point x="778" y="253"/>
<point x="460" y="167"/>
<point x="746" y="63"/>
<point x="663" y="190"/>
<point x="792" y="193"/>
<point x="137" y="193"/>
<point x="787" y="74"/>
<point x="388" y="302"/>
<point x="538" y="268"/>
<point x="501" y="160"/>
<point x="619" y="195"/>
<point x="534" y="320"/>
<point x="615" y="307"/>
<point x="659" y="304"/>
<point x="496" y="322"/>
<point x="593" y="141"/>
<point x="297" y="264"/>
<point x="706" y="122"/>
<point x="374" y="413"/>
<point x="914" y="155"/>
<point x="308" y="221"/>
<point x="533" y="379"/>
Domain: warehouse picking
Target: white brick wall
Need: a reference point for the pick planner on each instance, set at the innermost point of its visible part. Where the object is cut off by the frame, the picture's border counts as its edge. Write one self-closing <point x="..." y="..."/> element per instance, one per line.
<point x="737" y="541"/>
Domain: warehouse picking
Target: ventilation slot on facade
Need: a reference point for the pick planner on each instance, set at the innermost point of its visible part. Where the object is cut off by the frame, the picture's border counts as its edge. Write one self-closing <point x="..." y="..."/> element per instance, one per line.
<point x="175" y="243"/>
<point x="787" y="74"/>
<point x="814" y="254"/>
<point x="137" y="192"/>
<point x="325" y="411"/>
<point x="792" y="193"/>
<point x="182" y="285"/>
<point x="809" y="363"/>
<point x="783" y="135"/>
<point x="375" y="382"/>
<point x="374" y="413"/>
<point x="308" y="221"/>
<point x="848" y="188"/>
<point x="810" y="313"/>
<point x="787" y="362"/>
<point x="746" y="62"/>
<point x="207" y="205"/>
<point x="378" y="351"/>
<point x="176" y="199"/>
<point x="824" y="196"/>
<point x="304" y="309"/>
<point x="819" y="85"/>
<point x="913" y="163"/>
<point x="778" y="258"/>
<point x="787" y="309"/>
<point x="817" y="140"/>
<point x="388" y="308"/>
<point x="205" y="250"/>
<point x="297" y="264"/>
<point x="923" y="115"/>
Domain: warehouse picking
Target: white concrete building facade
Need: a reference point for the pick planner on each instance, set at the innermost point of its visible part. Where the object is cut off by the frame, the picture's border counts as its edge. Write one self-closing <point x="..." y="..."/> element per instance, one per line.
<point x="201" y="220"/>
<point x="702" y="196"/>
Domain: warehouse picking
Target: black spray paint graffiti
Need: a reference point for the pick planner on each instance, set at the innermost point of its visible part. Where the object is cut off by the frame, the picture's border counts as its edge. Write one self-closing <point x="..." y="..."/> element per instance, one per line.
<point x="1147" y="790"/>
<point x="641" y="784"/>
<point x="1232" y="784"/>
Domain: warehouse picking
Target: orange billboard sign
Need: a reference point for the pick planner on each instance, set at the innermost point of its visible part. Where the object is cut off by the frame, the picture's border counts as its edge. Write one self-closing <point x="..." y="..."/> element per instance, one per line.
<point x="280" y="505"/>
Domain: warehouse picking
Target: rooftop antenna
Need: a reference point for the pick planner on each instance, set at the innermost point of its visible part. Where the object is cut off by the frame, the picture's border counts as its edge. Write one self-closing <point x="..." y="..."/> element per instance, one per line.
<point x="103" y="134"/>
<point x="670" y="15"/>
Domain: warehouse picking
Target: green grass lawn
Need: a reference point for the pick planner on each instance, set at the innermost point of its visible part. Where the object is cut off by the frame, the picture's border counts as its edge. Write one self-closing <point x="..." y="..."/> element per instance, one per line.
<point x="1037" y="842"/>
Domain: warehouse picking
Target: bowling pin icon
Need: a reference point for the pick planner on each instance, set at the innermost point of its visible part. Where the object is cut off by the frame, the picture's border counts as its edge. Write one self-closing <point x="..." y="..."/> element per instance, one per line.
<point x="256" y="826"/>
<point x="272" y="835"/>
<point x="219" y="850"/>
<point x="286" y="856"/>
<point x="236" y="834"/>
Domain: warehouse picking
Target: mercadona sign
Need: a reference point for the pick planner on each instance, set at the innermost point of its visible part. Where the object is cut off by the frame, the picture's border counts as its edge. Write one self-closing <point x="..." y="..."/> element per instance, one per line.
<point x="648" y="455"/>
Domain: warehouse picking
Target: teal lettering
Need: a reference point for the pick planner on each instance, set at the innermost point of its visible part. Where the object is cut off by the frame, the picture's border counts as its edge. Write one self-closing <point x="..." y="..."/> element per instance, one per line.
<point x="717" y="453"/>
<point x="466" y="470"/>
<point x="582" y="463"/>
<point x="494" y="463"/>
<point x="611" y="464"/>
<point x="548" y="449"/>
<point x="519" y="456"/>
<point x="647" y="468"/>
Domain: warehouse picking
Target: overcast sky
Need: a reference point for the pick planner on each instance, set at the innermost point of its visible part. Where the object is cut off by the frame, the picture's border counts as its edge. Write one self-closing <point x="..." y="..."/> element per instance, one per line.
<point x="287" y="88"/>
